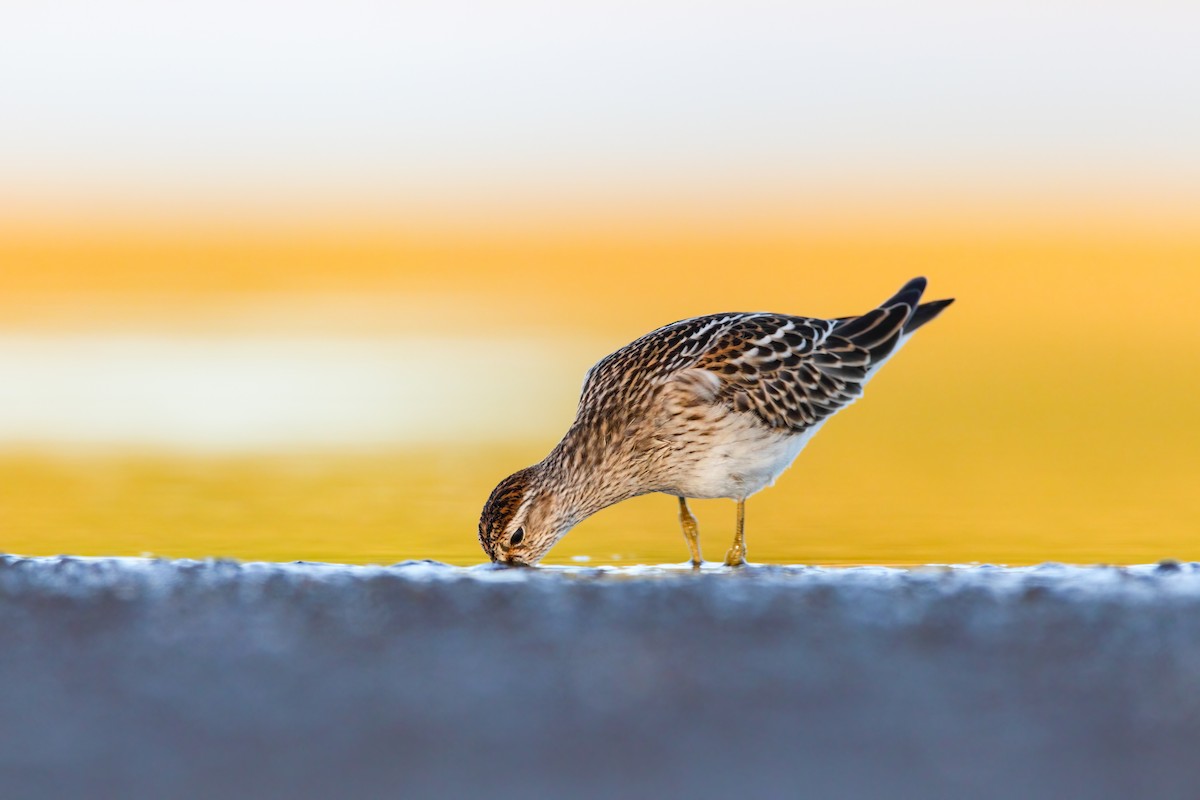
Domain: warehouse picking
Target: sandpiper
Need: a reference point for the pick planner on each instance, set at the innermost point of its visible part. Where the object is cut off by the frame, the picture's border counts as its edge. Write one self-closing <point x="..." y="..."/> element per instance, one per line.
<point x="715" y="406"/>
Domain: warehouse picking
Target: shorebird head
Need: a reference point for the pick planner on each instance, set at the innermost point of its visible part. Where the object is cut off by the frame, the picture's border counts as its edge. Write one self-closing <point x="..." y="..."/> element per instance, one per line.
<point x="521" y="520"/>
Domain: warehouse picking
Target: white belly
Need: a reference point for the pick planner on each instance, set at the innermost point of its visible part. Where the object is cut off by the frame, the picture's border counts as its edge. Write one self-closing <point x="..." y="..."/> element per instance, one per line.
<point x="743" y="458"/>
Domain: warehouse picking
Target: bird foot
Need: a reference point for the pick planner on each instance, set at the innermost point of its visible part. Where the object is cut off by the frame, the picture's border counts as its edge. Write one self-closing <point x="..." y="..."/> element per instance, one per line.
<point x="736" y="557"/>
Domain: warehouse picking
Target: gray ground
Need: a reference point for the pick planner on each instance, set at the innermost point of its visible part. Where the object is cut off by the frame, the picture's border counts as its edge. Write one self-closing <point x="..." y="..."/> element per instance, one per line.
<point x="128" y="678"/>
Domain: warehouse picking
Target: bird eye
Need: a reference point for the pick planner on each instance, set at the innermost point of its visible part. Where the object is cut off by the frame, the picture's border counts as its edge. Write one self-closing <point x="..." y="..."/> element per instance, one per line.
<point x="517" y="537"/>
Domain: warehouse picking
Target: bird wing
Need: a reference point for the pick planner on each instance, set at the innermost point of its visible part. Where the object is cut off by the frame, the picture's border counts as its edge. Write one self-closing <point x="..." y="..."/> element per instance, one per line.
<point x="791" y="372"/>
<point x="657" y="356"/>
<point x="795" y="372"/>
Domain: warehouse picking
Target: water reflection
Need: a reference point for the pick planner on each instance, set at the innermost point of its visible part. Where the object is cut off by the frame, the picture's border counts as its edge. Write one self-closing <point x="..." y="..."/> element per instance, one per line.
<point x="250" y="393"/>
<point x="424" y="502"/>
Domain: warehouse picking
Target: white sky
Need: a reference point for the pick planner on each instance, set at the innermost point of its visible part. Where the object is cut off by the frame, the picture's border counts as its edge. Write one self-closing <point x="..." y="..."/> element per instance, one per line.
<point x="394" y="97"/>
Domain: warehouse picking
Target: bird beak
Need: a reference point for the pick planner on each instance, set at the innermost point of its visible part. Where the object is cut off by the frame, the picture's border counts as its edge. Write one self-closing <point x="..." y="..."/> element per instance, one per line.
<point x="509" y="561"/>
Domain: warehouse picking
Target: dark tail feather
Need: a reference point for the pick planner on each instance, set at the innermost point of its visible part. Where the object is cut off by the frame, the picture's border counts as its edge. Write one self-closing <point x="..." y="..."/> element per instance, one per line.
<point x="926" y="312"/>
<point x="895" y="311"/>
<point x="909" y="294"/>
<point x="901" y="314"/>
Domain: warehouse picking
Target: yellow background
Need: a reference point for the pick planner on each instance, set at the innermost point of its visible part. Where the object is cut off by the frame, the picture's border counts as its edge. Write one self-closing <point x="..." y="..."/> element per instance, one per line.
<point x="1050" y="414"/>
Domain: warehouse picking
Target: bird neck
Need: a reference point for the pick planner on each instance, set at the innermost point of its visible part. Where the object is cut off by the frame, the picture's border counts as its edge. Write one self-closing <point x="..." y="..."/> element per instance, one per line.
<point x="582" y="478"/>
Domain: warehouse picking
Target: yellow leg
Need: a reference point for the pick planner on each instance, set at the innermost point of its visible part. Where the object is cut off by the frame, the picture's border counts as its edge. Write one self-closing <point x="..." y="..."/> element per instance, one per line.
<point x="691" y="531"/>
<point x="736" y="556"/>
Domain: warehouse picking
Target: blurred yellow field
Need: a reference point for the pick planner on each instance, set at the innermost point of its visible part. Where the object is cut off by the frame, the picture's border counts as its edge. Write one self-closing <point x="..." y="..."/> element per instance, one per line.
<point x="1049" y="415"/>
